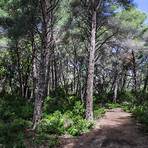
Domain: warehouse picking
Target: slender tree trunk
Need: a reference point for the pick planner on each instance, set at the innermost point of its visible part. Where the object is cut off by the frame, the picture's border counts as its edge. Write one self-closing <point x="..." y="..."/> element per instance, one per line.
<point x="55" y="69"/>
<point x="74" y="70"/>
<point x="40" y="90"/>
<point x="91" y="64"/>
<point x="134" y="72"/>
<point x="124" y="79"/>
<point x="42" y="69"/>
<point x="145" y="84"/>
<point x="115" y="92"/>
<point x="19" y="71"/>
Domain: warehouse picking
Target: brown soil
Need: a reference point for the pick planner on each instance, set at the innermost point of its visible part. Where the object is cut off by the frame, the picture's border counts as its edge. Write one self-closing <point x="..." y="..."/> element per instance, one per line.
<point x="117" y="129"/>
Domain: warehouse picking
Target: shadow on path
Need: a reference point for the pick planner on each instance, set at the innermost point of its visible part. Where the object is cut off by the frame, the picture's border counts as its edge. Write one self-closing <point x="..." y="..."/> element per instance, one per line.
<point x="116" y="129"/>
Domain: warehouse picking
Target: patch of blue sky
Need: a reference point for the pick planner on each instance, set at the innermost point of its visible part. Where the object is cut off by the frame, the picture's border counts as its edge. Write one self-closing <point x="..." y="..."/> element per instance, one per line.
<point x="143" y="6"/>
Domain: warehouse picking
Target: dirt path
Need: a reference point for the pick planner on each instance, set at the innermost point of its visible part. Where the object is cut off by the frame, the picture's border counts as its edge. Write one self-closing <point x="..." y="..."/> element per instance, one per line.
<point x="116" y="129"/>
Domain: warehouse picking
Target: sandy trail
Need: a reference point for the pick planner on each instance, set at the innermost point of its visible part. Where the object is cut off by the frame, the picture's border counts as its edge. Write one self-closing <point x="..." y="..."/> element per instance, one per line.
<point x="116" y="129"/>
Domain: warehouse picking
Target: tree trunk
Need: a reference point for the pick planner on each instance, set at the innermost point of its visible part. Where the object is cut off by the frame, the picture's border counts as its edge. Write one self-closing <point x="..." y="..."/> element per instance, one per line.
<point x="40" y="91"/>
<point x="90" y="77"/>
<point x="115" y="92"/>
<point x="124" y="79"/>
<point x="145" y="84"/>
<point x="134" y="71"/>
<point x="43" y="60"/>
<point x="19" y="70"/>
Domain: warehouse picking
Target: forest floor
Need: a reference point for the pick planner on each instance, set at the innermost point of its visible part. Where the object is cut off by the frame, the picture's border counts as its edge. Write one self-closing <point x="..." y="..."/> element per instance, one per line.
<point x="117" y="129"/>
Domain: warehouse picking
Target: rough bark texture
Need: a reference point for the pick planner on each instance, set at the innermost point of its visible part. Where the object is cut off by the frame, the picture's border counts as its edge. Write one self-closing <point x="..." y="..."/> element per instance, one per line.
<point x="134" y="71"/>
<point x="43" y="60"/>
<point x="90" y="79"/>
<point x="115" y="92"/>
<point x="145" y="84"/>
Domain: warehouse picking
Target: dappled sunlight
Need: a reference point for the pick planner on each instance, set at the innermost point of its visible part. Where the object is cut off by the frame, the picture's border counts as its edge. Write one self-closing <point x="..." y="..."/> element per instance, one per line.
<point x="117" y="130"/>
<point x="70" y="73"/>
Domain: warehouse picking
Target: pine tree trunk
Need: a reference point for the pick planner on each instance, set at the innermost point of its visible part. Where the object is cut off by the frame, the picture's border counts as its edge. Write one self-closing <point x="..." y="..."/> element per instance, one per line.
<point x="145" y="84"/>
<point x="90" y="78"/>
<point x="43" y="57"/>
<point x="40" y="91"/>
<point x="115" y="92"/>
<point x="134" y="72"/>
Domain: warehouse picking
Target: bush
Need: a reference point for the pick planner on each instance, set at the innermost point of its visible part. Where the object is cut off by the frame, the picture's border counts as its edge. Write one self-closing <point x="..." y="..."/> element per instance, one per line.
<point x="78" y="108"/>
<point x="12" y="107"/>
<point x="12" y="134"/>
<point x="61" y="103"/>
<point x="53" y="124"/>
<point x="127" y="96"/>
<point x="99" y="112"/>
<point x="100" y="98"/>
<point x="45" y="140"/>
<point x="113" y="105"/>
<point x="71" y="121"/>
<point x="141" y="113"/>
<point x="127" y="106"/>
<point x="15" y="113"/>
<point x="75" y="122"/>
<point x="79" y="126"/>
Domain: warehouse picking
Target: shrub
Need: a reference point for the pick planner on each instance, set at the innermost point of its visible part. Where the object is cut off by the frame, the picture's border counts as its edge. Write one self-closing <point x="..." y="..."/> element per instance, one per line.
<point x="53" y="124"/>
<point x="61" y="103"/>
<point x="12" y="134"/>
<point x="99" y="112"/>
<point x="127" y="96"/>
<point x="45" y="140"/>
<point x="71" y="122"/>
<point x="100" y="98"/>
<point x="79" y="126"/>
<point x="78" y="108"/>
<point x="127" y="106"/>
<point x="13" y="107"/>
<point x="141" y="113"/>
<point x="113" y="105"/>
<point x="15" y="113"/>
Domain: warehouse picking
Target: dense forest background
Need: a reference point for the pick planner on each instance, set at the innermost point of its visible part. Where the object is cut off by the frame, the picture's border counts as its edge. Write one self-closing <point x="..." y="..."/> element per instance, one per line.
<point x="63" y="62"/>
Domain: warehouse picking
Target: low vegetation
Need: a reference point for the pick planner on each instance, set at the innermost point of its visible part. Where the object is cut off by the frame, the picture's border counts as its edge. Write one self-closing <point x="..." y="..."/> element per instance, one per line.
<point x="64" y="63"/>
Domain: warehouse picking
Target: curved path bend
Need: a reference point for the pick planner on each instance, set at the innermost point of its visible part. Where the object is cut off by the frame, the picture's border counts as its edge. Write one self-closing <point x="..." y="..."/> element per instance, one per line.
<point x="117" y="129"/>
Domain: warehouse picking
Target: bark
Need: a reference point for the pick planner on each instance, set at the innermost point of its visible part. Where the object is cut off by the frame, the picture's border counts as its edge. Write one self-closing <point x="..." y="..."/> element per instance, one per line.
<point x="145" y="84"/>
<point x="43" y="60"/>
<point x="115" y="92"/>
<point x="40" y="91"/>
<point x="90" y="78"/>
<point x="74" y="70"/>
<point x="33" y="67"/>
<point x="55" y="70"/>
<point x="124" y="80"/>
<point x="134" y="71"/>
<point x="19" y="71"/>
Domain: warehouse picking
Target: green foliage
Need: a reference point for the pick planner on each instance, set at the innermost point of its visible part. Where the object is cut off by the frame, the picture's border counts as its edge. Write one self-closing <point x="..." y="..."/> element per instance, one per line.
<point x="70" y="121"/>
<point x="45" y="140"/>
<point x="99" y="112"/>
<point x="12" y="133"/>
<point x="138" y="108"/>
<point x="100" y="98"/>
<point x="79" y="126"/>
<point x="15" y="114"/>
<point x="131" y="19"/>
<point x="78" y="108"/>
<point x="126" y="96"/>
<point x="141" y="113"/>
<point x="126" y="106"/>
<point x="13" y="107"/>
<point x="53" y="124"/>
<point x="113" y="105"/>
<point x="75" y="122"/>
<point x="59" y="100"/>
